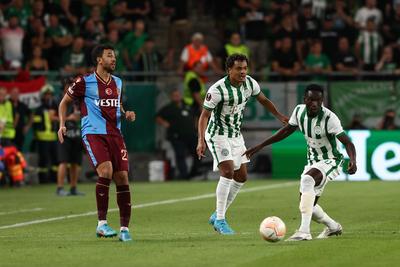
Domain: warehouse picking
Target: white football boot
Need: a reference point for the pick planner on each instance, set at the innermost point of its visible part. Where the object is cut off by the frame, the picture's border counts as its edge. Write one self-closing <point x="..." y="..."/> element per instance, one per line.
<point x="338" y="230"/>
<point x="299" y="236"/>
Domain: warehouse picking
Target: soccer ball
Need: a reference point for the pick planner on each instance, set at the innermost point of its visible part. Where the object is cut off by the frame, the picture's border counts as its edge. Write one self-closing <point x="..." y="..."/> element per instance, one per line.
<point x="272" y="229"/>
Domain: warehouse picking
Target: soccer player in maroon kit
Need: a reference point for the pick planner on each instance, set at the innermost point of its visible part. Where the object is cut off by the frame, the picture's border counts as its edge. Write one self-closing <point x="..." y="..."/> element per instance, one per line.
<point x="99" y="96"/>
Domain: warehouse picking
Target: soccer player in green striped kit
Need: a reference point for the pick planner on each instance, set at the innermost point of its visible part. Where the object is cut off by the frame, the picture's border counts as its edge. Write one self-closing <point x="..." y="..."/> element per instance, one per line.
<point x="219" y="126"/>
<point x="321" y="128"/>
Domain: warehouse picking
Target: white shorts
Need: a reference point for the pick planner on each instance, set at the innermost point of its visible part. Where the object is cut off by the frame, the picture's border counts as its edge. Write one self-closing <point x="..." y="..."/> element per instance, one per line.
<point x="329" y="168"/>
<point x="223" y="148"/>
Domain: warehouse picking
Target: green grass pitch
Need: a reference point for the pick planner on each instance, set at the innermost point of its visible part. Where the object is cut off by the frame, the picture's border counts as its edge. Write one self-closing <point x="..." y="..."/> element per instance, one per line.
<point x="176" y="233"/>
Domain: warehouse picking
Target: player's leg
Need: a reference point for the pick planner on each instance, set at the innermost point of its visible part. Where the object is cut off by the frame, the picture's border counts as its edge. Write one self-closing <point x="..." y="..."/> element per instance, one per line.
<point x="124" y="203"/>
<point x="226" y="171"/>
<point x="239" y="178"/>
<point x="62" y="170"/>
<point x="308" y="181"/>
<point x="98" y="154"/>
<point x="119" y="157"/>
<point x="332" y="227"/>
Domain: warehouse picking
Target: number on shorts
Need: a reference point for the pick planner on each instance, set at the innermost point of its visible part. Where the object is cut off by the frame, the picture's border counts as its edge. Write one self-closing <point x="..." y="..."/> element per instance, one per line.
<point x="124" y="153"/>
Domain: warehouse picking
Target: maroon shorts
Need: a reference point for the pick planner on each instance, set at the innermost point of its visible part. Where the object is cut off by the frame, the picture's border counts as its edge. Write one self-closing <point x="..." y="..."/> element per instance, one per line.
<point x="102" y="148"/>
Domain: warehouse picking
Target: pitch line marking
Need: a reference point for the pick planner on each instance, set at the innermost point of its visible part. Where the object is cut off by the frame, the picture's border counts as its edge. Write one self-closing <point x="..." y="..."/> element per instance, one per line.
<point x="145" y="205"/>
<point x="20" y="211"/>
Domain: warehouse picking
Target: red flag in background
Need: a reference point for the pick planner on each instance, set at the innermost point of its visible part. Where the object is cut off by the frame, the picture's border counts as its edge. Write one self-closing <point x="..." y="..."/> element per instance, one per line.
<point x="29" y="90"/>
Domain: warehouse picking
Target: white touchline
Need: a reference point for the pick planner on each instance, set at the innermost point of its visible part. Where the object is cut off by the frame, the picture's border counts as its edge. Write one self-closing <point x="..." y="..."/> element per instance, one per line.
<point x="20" y="211"/>
<point x="151" y="204"/>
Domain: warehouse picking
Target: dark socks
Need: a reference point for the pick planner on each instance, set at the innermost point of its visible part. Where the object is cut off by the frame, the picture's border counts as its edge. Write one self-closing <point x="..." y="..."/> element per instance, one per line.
<point x="102" y="189"/>
<point x="124" y="204"/>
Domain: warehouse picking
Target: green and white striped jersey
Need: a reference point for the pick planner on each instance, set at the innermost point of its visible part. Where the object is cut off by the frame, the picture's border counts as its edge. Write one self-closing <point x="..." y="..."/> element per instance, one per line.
<point x="320" y="133"/>
<point x="370" y="42"/>
<point x="227" y="104"/>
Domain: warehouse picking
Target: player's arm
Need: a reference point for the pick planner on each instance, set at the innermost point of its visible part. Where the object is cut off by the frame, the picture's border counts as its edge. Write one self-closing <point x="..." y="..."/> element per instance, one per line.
<point x="129" y="115"/>
<point x="201" y="144"/>
<point x="263" y="100"/>
<point x="351" y="151"/>
<point x="62" y="113"/>
<point x="281" y="134"/>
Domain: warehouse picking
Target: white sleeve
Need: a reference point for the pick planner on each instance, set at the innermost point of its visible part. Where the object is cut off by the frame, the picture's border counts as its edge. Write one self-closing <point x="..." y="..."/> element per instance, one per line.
<point x="185" y="55"/>
<point x="334" y="125"/>
<point x="213" y="97"/>
<point x="209" y="57"/>
<point x="358" y="16"/>
<point x="256" y="90"/>
<point x="293" y="118"/>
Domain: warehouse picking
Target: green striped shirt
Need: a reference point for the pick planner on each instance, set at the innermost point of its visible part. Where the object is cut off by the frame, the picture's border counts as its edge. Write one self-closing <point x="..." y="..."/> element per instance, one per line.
<point x="320" y="133"/>
<point x="227" y="104"/>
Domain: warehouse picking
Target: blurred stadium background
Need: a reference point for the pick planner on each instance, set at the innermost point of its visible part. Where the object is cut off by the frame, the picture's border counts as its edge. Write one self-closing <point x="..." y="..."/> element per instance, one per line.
<point x="351" y="47"/>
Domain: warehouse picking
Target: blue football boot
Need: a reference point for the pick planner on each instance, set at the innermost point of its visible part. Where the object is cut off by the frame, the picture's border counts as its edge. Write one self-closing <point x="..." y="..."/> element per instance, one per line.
<point x="222" y="227"/>
<point x="105" y="231"/>
<point x="124" y="236"/>
<point x="212" y="218"/>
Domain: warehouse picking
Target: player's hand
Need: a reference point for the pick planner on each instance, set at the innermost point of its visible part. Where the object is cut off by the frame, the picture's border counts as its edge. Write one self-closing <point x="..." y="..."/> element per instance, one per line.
<point x="61" y="132"/>
<point x="251" y="151"/>
<point x="130" y="116"/>
<point x="352" y="168"/>
<point x="201" y="148"/>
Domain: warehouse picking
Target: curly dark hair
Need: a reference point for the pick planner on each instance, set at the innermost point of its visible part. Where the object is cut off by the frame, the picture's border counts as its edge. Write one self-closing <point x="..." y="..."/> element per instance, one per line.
<point x="230" y="61"/>
<point x="314" y="87"/>
<point x="98" y="51"/>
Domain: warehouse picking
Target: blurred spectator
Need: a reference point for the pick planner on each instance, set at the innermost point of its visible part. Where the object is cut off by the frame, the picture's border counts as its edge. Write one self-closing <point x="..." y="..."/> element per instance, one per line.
<point x="70" y="151"/>
<point x="387" y="61"/>
<point x="329" y="36"/>
<point x="45" y="128"/>
<point x="179" y="121"/>
<point x="318" y="7"/>
<point x="65" y="13"/>
<point x="342" y="20"/>
<point x="288" y="29"/>
<point x="137" y="9"/>
<point x="391" y="27"/>
<point x="8" y="119"/>
<point x="235" y="46"/>
<point x="74" y="61"/>
<point x="254" y="20"/>
<point x="11" y="40"/>
<point x="179" y="28"/>
<point x="37" y="62"/>
<point x="21" y="10"/>
<point x="368" y="46"/>
<point x="149" y="59"/>
<point x="388" y="121"/>
<point x="116" y="19"/>
<point x="356" y="123"/>
<point x="35" y="37"/>
<point x="284" y="60"/>
<point x="316" y="63"/>
<point x="23" y="117"/>
<point x="57" y="38"/>
<point x="194" y="52"/>
<point x="194" y="89"/>
<point x="309" y="28"/>
<point x="113" y="39"/>
<point x="133" y="42"/>
<point x="345" y="60"/>
<point x="93" y="34"/>
<point x="368" y="12"/>
<point x="38" y="12"/>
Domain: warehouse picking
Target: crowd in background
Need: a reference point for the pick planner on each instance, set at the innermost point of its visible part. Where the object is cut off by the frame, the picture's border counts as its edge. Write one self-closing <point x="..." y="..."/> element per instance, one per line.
<point x="314" y="36"/>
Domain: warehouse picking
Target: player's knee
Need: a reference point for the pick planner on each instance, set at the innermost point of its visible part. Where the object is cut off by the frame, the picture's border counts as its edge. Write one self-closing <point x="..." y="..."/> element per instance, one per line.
<point x="307" y="183"/>
<point x="241" y="179"/>
<point x="227" y="173"/>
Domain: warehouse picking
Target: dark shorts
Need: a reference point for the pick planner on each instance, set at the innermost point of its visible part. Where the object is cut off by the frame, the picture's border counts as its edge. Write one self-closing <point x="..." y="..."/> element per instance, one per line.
<point x="102" y="148"/>
<point x="70" y="151"/>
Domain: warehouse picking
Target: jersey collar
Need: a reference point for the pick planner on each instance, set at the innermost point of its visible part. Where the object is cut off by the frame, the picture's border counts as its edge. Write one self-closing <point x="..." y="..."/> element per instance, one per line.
<point x="101" y="79"/>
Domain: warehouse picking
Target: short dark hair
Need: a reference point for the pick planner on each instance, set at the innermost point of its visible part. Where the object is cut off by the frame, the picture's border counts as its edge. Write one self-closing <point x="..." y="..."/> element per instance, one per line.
<point x="230" y="61"/>
<point x="314" y="88"/>
<point x="98" y="51"/>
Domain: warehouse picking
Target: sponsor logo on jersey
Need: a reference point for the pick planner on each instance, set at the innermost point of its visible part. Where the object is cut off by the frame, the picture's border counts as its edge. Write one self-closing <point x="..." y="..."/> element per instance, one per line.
<point x="70" y="90"/>
<point x="225" y="152"/>
<point x="108" y="91"/>
<point x="107" y="102"/>
<point x="208" y="97"/>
